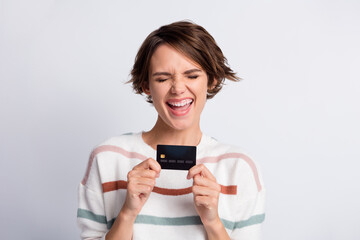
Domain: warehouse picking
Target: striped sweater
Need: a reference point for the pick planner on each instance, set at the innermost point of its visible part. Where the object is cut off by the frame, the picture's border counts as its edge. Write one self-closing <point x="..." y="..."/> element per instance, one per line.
<point x="169" y="213"/>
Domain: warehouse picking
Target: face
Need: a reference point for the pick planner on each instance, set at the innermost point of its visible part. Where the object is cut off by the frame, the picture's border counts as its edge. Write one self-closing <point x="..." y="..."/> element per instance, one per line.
<point x="178" y="87"/>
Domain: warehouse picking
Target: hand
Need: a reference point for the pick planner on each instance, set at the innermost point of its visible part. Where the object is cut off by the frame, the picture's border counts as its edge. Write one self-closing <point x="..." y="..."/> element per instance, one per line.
<point x="206" y="194"/>
<point x="141" y="181"/>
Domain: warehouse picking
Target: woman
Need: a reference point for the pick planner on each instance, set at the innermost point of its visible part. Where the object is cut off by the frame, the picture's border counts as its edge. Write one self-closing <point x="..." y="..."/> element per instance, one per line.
<point x="126" y="195"/>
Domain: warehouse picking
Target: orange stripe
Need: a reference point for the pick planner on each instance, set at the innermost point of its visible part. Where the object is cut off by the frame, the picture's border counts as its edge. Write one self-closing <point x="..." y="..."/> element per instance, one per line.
<point x="121" y="184"/>
<point x="112" y="186"/>
<point x="231" y="190"/>
<point x="172" y="192"/>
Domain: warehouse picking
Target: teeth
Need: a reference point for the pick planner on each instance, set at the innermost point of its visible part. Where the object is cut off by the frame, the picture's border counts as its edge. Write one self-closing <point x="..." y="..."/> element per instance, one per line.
<point x="181" y="104"/>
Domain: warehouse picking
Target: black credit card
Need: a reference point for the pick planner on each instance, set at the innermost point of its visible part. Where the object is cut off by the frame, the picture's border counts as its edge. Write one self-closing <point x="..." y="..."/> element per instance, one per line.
<point x="176" y="156"/>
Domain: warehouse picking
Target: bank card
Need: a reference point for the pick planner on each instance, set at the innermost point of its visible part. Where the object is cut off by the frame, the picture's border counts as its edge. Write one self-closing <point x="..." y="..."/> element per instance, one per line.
<point x="176" y="157"/>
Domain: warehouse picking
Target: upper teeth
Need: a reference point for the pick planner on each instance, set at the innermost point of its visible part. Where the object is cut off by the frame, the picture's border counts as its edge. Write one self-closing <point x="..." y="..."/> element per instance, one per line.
<point x="180" y="104"/>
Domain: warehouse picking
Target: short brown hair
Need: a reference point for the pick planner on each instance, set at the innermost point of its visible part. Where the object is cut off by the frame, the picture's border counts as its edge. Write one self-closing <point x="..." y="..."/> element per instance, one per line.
<point x="194" y="42"/>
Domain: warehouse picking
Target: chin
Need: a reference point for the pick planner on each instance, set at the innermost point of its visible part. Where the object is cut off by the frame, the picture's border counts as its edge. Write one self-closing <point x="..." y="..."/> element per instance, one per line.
<point x="180" y="125"/>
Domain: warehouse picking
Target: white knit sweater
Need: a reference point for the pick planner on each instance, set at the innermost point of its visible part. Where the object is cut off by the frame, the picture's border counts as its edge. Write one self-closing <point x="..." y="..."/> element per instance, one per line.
<point x="169" y="213"/>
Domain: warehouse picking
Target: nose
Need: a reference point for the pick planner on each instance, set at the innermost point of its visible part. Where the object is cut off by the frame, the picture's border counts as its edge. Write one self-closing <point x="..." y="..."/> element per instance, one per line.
<point x="178" y="86"/>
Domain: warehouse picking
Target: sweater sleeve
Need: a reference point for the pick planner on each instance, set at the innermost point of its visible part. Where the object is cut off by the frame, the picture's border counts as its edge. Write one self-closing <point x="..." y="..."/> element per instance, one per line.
<point x="91" y="215"/>
<point x="251" y="207"/>
<point x="250" y="227"/>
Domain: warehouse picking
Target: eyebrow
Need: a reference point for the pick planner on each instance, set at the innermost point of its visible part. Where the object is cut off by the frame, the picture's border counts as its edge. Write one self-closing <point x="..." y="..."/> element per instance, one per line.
<point x="161" y="73"/>
<point x="169" y="74"/>
<point x="192" y="71"/>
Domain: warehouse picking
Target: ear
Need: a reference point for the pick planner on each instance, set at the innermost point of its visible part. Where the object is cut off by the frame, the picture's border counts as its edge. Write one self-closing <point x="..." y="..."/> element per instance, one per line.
<point x="213" y="84"/>
<point x="145" y="88"/>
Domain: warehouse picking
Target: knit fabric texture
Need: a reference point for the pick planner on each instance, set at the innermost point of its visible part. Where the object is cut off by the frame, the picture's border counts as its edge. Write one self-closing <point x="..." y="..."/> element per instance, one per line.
<point x="169" y="213"/>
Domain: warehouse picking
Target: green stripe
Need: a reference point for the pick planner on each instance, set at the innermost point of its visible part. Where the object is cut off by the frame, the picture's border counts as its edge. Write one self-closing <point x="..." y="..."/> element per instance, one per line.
<point x="195" y="220"/>
<point x="177" y="221"/>
<point x="240" y="224"/>
<point x="82" y="213"/>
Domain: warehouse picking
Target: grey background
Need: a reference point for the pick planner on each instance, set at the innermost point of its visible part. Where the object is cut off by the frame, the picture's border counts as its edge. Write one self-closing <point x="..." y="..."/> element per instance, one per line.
<point x="63" y="65"/>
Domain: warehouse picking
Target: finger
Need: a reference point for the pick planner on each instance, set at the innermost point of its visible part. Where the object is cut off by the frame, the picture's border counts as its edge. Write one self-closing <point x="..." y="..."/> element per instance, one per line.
<point x="201" y="181"/>
<point x="142" y="181"/>
<point x="138" y="189"/>
<point x="202" y="170"/>
<point x="147" y="173"/>
<point x="149" y="164"/>
<point x="204" y="191"/>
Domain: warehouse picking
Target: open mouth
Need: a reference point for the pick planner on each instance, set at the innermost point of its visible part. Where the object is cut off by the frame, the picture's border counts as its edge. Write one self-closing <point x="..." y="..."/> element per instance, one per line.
<point x="180" y="107"/>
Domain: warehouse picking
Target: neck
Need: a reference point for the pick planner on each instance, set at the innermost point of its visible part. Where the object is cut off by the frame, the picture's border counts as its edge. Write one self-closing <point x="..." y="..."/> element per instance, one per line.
<point x="161" y="133"/>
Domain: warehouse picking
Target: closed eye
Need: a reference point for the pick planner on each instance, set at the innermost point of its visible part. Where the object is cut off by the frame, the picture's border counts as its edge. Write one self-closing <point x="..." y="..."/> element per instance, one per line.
<point x="193" y="76"/>
<point x="161" y="79"/>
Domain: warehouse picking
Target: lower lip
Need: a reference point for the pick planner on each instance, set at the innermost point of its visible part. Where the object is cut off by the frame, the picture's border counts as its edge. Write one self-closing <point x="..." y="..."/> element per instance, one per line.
<point x="180" y="113"/>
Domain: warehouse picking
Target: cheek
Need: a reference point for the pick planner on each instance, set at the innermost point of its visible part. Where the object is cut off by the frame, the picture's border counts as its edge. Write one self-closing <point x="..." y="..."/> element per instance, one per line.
<point x="157" y="95"/>
<point x="202" y="90"/>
